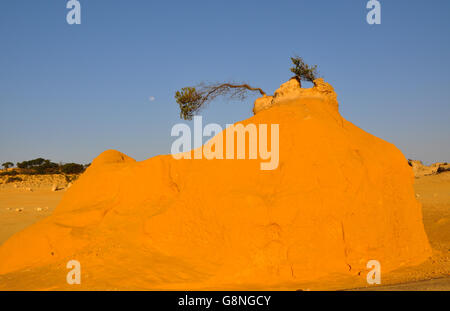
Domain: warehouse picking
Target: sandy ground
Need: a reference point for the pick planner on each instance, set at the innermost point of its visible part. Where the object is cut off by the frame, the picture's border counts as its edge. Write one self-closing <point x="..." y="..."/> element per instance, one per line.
<point x="21" y="207"/>
<point x="24" y="203"/>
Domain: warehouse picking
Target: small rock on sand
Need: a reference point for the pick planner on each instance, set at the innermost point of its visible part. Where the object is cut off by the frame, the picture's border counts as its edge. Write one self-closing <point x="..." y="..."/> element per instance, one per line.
<point x="19" y="209"/>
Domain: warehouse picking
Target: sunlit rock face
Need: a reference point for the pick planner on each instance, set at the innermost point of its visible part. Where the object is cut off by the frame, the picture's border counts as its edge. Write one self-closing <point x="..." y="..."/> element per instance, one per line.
<point x="292" y="90"/>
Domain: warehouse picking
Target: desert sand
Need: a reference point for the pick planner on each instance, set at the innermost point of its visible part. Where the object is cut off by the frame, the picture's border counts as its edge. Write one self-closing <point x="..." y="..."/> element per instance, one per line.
<point x="339" y="198"/>
<point x="23" y="203"/>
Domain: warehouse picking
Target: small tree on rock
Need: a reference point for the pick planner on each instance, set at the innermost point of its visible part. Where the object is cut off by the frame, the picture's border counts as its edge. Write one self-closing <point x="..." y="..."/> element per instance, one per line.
<point x="302" y="71"/>
<point x="192" y="99"/>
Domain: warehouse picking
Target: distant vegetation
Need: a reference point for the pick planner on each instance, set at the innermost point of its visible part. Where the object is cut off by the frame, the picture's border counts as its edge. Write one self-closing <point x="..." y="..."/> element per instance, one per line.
<point x="72" y="168"/>
<point x="38" y="166"/>
<point x="192" y="99"/>
<point x="42" y="166"/>
<point x="7" y="165"/>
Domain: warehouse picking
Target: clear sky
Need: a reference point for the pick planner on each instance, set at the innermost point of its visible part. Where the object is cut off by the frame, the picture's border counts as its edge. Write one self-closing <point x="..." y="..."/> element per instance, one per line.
<point x="69" y="92"/>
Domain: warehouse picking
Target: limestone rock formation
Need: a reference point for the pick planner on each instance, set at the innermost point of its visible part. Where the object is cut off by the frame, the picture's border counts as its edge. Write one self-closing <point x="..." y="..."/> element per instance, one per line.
<point x="420" y="169"/>
<point x="292" y="90"/>
<point x="339" y="198"/>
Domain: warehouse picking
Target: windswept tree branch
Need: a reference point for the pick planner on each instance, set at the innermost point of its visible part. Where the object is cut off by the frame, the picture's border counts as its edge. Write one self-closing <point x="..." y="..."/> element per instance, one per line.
<point x="192" y="99"/>
<point x="224" y="86"/>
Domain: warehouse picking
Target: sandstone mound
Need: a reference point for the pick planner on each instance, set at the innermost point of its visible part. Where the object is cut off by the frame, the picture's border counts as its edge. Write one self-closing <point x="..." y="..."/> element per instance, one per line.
<point x="339" y="198"/>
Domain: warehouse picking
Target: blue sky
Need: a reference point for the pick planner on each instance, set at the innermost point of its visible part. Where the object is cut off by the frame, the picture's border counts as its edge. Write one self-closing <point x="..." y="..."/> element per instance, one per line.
<point x="68" y="92"/>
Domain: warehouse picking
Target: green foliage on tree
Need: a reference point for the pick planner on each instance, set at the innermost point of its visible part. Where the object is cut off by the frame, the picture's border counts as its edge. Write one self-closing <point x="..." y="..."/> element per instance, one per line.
<point x="32" y="163"/>
<point x="38" y="166"/>
<point x="190" y="101"/>
<point x="302" y="71"/>
<point x="72" y="168"/>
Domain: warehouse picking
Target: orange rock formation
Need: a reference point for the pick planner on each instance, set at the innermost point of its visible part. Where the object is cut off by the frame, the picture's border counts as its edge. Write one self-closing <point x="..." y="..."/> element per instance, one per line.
<point x="339" y="198"/>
